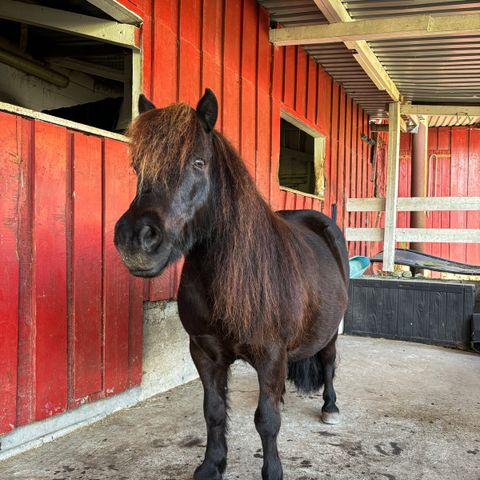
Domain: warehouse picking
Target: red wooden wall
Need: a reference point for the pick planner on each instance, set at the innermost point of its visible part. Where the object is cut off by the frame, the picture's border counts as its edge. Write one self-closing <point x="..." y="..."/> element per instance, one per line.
<point x="70" y="315"/>
<point x="223" y="44"/>
<point x="453" y="169"/>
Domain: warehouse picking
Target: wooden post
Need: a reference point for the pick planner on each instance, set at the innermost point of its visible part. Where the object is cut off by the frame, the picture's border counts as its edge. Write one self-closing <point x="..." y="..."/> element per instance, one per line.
<point x="392" y="186"/>
<point x="419" y="187"/>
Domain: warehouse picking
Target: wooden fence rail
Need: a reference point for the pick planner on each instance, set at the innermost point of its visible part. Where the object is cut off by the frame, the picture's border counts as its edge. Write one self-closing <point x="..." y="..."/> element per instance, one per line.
<point x="426" y="235"/>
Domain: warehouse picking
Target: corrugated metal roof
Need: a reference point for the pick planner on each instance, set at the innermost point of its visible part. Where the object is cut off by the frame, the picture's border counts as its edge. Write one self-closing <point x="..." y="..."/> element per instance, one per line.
<point x="294" y="13"/>
<point x="442" y="70"/>
<point x="439" y="70"/>
<point x="366" y="9"/>
<point x="335" y="58"/>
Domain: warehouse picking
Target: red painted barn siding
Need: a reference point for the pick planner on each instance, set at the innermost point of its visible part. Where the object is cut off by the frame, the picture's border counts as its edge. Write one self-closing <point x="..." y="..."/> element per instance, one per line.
<point x="223" y="44"/>
<point x="70" y="303"/>
<point x="453" y="169"/>
<point x="71" y="316"/>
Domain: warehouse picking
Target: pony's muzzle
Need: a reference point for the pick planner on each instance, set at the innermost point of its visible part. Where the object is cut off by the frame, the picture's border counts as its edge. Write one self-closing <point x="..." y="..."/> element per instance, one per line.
<point x="140" y="237"/>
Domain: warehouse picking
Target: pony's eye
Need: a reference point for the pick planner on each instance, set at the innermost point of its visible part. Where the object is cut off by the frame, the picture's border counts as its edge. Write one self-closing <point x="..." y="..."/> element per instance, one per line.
<point x="199" y="163"/>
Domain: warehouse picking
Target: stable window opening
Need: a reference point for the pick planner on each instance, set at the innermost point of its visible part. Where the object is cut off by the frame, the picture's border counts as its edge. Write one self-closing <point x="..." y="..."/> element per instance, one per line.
<point x="302" y="157"/>
<point x="75" y="77"/>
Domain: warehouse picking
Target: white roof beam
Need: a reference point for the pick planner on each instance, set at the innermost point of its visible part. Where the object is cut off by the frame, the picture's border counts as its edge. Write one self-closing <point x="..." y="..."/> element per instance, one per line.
<point x="68" y="22"/>
<point x="378" y="29"/>
<point x="334" y="11"/>
<point x="458" y="110"/>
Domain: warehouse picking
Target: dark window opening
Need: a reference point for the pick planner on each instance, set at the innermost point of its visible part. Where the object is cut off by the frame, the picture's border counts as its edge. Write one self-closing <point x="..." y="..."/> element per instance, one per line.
<point x="79" y="79"/>
<point x="297" y="159"/>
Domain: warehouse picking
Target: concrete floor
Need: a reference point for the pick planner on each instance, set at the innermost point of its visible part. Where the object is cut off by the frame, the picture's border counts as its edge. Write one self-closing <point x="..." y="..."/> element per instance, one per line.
<point x="409" y="411"/>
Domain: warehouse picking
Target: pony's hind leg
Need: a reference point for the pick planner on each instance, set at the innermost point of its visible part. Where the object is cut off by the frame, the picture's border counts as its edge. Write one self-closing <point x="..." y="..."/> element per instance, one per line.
<point x="213" y="370"/>
<point x="271" y="371"/>
<point x="330" y="412"/>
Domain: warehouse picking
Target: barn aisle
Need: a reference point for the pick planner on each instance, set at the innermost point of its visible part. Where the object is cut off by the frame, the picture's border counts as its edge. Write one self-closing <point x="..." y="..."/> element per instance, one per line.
<point x="409" y="411"/>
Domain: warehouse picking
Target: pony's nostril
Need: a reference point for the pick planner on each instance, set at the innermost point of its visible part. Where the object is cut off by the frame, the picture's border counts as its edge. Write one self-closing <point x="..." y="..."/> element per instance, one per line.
<point x="149" y="237"/>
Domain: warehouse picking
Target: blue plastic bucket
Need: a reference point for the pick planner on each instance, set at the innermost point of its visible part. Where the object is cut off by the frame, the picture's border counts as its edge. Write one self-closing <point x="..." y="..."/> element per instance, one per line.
<point x="358" y="265"/>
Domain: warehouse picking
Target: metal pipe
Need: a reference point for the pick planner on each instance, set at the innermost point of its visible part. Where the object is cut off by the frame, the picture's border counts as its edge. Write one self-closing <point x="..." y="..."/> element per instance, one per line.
<point x="419" y="187"/>
<point x="34" y="68"/>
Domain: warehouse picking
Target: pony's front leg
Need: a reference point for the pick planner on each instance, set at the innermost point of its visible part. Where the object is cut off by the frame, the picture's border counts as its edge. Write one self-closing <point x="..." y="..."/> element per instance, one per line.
<point x="213" y="371"/>
<point x="271" y="369"/>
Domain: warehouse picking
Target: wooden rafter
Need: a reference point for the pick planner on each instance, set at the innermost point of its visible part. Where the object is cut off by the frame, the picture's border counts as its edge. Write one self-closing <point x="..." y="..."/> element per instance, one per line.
<point x="334" y="11"/>
<point x="378" y="29"/>
<point x="459" y="110"/>
<point x="63" y="21"/>
<point x="117" y="11"/>
<point x="393" y="162"/>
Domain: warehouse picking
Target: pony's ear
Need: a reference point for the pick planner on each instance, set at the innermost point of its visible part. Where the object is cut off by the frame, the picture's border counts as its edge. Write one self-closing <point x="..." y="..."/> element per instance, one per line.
<point x="207" y="110"/>
<point x="144" y="104"/>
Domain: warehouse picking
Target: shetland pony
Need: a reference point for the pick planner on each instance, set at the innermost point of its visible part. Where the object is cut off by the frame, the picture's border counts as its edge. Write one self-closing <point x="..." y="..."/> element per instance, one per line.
<point x="268" y="288"/>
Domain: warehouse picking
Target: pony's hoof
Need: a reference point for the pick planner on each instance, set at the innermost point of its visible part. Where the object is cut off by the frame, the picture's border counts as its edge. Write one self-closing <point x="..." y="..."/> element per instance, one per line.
<point x="207" y="471"/>
<point x="331" y="418"/>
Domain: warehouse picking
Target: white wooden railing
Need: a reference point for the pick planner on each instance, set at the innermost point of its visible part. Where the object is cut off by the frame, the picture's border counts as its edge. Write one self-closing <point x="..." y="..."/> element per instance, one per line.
<point x="415" y="204"/>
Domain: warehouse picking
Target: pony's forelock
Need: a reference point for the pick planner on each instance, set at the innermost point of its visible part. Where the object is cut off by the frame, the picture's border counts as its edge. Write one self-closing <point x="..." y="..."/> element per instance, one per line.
<point x="161" y="142"/>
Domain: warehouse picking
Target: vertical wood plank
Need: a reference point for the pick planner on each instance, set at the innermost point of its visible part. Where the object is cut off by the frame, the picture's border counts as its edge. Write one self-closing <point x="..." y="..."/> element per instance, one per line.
<point x="312" y="90"/>
<point x="264" y="56"/>
<point x="263" y="144"/>
<point x="332" y="168"/>
<point x="189" y="73"/>
<point x="283" y="200"/>
<point x="232" y="36"/>
<point x="459" y="185"/>
<point x="290" y="201"/>
<point x="50" y="276"/>
<point x="340" y="177"/>
<point x="116" y="282"/>
<point x="347" y="180"/>
<point x="212" y="30"/>
<point x="278" y="72"/>
<point x="248" y="92"/>
<point x="392" y="186"/>
<point x="263" y="114"/>
<point x="289" y="84"/>
<point x="190" y="27"/>
<point x="473" y="190"/>
<point x="276" y="195"/>
<point x="299" y="202"/>
<point x="327" y="96"/>
<point x="26" y="320"/>
<point x="148" y="47"/>
<point x="249" y="41"/>
<point x="86" y="309"/>
<point x="248" y="126"/>
<point x="165" y="70"/>
<point x="190" y="19"/>
<point x="301" y="83"/>
<point x="352" y="217"/>
<point x="10" y="162"/>
<point x="444" y="172"/>
<point x="135" y="317"/>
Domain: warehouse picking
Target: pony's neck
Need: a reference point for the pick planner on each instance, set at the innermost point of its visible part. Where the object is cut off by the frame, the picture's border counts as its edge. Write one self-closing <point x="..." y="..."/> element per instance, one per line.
<point x="236" y="205"/>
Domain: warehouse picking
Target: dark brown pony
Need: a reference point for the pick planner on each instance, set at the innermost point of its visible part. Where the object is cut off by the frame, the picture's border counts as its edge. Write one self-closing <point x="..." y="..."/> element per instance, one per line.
<point x="268" y="288"/>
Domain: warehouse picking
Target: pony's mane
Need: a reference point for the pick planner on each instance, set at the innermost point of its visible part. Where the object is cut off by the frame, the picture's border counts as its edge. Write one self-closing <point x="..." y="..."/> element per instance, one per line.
<point x="259" y="291"/>
<point x="161" y="141"/>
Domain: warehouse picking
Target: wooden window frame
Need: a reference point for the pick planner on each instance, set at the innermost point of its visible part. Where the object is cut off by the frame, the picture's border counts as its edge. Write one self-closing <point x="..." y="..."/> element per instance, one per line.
<point x="109" y="31"/>
<point x="319" y="150"/>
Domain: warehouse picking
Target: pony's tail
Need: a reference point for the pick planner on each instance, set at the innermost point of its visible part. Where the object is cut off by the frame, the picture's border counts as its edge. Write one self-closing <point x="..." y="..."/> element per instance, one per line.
<point x="306" y="374"/>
